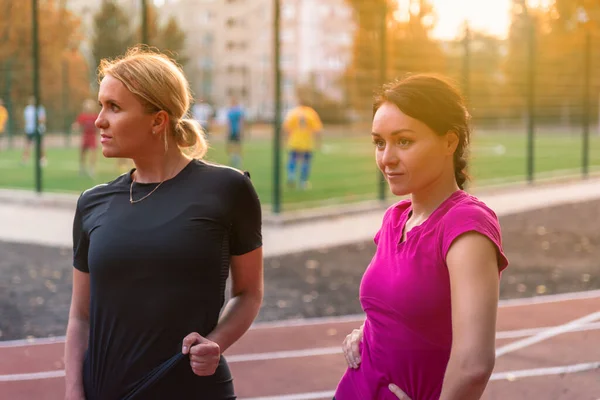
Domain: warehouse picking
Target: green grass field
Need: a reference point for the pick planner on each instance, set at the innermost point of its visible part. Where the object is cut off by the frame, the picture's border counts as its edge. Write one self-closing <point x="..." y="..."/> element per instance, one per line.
<point x="343" y="171"/>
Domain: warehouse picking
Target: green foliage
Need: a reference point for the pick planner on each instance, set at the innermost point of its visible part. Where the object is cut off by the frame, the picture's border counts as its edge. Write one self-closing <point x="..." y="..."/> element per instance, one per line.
<point x="112" y="32"/>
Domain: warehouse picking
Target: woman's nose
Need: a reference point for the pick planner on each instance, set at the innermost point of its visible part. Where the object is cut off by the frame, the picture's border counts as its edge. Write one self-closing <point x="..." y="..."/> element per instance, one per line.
<point x="389" y="156"/>
<point x="101" y="122"/>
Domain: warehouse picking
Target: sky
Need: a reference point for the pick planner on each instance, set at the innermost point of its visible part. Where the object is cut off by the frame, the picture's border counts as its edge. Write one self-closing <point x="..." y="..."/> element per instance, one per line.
<point x="490" y="16"/>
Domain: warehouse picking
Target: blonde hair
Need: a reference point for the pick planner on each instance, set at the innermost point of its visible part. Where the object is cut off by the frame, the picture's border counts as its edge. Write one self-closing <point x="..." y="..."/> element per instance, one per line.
<point x="160" y="84"/>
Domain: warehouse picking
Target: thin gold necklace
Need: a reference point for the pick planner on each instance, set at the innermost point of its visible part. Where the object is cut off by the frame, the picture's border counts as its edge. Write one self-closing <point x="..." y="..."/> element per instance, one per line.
<point x="132" y="201"/>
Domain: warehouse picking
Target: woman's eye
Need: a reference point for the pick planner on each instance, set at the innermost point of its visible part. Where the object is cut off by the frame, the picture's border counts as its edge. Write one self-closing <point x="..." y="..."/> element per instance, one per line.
<point x="404" y="142"/>
<point x="114" y="107"/>
<point x="380" y="144"/>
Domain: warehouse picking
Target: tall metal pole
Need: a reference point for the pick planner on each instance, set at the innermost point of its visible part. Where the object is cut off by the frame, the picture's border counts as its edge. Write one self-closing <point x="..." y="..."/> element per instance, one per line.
<point x="36" y="95"/>
<point x="65" y="96"/>
<point x="531" y="98"/>
<point x="144" y="22"/>
<point x="587" y="82"/>
<point x="9" y="104"/>
<point x="382" y="79"/>
<point x="277" y="117"/>
<point x="467" y="64"/>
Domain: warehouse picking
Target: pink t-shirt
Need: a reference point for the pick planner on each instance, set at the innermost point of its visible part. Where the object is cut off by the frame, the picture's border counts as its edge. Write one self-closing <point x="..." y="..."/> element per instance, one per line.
<point x="405" y="293"/>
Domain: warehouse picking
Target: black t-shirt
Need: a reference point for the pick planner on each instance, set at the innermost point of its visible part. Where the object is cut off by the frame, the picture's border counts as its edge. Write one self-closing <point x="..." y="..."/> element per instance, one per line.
<point x="157" y="273"/>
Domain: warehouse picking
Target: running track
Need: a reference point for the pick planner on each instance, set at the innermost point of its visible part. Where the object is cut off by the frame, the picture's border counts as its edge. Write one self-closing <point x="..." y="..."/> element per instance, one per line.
<point x="547" y="348"/>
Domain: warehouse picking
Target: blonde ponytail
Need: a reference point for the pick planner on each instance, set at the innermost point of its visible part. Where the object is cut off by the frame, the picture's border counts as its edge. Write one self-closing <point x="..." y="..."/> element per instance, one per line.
<point x="190" y="137"/>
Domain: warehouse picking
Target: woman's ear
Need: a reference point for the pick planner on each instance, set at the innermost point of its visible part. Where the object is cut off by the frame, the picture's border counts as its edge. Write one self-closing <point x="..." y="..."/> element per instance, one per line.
<point x="452" y="140"/>
<point x="161" y="121"/>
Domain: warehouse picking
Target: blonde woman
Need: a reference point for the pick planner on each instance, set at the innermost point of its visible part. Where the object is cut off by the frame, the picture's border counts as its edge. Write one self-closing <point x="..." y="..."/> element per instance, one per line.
<point x="153" y="249"/>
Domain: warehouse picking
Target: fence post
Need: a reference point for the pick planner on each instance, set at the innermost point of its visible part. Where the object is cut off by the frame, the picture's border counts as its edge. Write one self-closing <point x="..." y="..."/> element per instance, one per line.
<point x="587" y="59"/>
<point x="531" y="97"/>
<point x="382" y="79"/>
<point x="466" y="73"/>
<point x="277" y="109"/>
<point x="65" y="96"/>
<point x="36" y="94"/>
<point x="9" y="104"/>
<point x="145" y="22"/>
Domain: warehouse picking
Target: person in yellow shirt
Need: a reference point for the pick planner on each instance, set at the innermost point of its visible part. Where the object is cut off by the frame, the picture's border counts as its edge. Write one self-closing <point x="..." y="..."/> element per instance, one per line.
<point x="3" y="120"/>
<point x="303" y="127"/>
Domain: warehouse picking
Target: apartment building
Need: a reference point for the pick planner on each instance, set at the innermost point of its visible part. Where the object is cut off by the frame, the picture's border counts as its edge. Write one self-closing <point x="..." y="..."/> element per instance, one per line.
<point x="230" y="43"/>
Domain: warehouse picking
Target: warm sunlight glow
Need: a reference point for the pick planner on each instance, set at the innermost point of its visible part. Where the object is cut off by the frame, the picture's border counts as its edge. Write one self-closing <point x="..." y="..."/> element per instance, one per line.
<point x="489" y="16"/>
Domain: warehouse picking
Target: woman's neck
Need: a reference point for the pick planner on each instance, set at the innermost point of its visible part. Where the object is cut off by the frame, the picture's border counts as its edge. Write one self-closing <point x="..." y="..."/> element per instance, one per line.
<point x="425" y="201"/>
<point x="154" y="169"/>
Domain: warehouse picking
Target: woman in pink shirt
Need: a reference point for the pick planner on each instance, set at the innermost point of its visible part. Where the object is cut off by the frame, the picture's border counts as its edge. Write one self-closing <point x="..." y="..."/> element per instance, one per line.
<point x="430" y="293"/>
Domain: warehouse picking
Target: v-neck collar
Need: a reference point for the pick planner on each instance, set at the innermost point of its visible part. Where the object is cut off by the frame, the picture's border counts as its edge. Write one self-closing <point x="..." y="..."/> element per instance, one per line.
<point x="406" y="215"/>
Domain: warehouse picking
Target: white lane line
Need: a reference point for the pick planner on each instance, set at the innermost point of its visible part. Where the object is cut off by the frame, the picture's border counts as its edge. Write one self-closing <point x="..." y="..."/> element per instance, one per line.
<point x="509" y="375"/>
<point x="574" y="326"/>
<point x="309" y="321"/>
<point x="32" y="376"/>
<point x="297" y="396"/>
<point x="526" y="373"/>
<point x="552" y="298"/>
<point x="322" y="351"/>
<point x="534" y="331"/>
<point x="32" y="341"/>
<point x="547" y="334"/>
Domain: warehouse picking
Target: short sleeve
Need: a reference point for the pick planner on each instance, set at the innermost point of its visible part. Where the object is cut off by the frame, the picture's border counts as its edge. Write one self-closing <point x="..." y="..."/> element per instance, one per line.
<point x="318" y="125"/>
<point x="246" y="234"/>
<point x="473" y="218"/>
<point x="384" y="222"/>
<point x="80" y="241"/>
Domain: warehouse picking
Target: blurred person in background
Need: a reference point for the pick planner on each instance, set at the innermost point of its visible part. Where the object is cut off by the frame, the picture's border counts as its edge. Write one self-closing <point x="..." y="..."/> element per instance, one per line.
<point x="29" y="116"/>
<point x="3" y="121"/>
<point x="235" y="130"/>
<point x="303" y="127"/>
<point x="86" y="123"/>
<point x="430" y="293"/>
<point x="152" y="249"/>
<point x="203" y="113"/>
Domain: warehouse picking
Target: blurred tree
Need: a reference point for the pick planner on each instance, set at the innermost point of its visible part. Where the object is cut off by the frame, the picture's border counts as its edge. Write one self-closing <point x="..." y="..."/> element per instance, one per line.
<point x="172" y="39"/>
<point x="59" y="41"/>
<point x="558" y="57"/>
<point x="330" y="110"/>
<point x="112" y="32"/>
<point x="408" y="46"/>
<point x="168" y="38"/>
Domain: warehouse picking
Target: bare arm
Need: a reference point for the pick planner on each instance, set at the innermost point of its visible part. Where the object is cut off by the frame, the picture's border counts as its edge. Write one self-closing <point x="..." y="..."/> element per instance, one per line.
<point x="474" y="280"/>
<point x="247" y="294"/>
<point x="77" y="335"/>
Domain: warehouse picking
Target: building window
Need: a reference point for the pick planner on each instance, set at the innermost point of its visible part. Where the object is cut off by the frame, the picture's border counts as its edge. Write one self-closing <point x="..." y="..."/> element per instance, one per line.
<point x="204" y="17"/>
<point x="287" y="36"/>
<point x="288" y="11"/>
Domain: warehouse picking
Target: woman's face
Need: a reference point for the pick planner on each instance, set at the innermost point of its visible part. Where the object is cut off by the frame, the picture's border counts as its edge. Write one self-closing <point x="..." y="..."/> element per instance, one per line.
<point x="125" y="127"/>
<point x="411" y="156"/>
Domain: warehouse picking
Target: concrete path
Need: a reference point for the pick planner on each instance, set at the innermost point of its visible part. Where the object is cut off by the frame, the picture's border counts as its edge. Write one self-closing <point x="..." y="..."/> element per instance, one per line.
<point x="28" y="218"/>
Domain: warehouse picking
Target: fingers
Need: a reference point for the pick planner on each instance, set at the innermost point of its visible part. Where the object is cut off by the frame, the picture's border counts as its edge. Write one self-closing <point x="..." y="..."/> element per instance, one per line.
<point x="351" y="348"/>
<point x="204" y="354"/>
<point x="207" y="349"/>
<point x="398" y="392"/>
<point x="190" y="340"/>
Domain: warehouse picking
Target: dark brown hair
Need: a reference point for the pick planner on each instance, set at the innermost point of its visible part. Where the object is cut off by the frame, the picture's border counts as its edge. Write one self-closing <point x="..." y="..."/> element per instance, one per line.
<point x="436" y="102"/>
